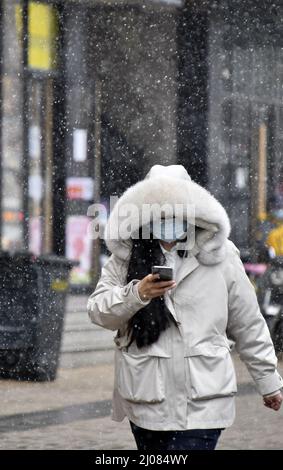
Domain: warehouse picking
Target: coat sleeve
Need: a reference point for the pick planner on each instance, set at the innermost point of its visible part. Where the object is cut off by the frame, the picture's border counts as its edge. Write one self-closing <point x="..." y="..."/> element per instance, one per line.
<point x="247" y="327"/>
<point x="112" y="303"/>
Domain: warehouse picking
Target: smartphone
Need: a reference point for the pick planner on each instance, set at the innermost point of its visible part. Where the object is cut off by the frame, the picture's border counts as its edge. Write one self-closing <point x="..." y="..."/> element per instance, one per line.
<point x="165" y="272"/>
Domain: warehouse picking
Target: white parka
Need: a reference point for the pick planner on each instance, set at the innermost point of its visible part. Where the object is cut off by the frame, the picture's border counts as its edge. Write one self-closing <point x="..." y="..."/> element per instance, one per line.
<point x="186" y="380"/>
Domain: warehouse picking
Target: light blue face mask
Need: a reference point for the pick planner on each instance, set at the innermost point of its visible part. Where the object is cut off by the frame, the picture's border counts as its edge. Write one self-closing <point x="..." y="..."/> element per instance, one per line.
<point x="169" y="230"/>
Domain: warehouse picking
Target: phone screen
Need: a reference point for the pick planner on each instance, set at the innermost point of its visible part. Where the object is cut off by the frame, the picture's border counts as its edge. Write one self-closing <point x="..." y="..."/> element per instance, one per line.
<point x="165" y="272"/>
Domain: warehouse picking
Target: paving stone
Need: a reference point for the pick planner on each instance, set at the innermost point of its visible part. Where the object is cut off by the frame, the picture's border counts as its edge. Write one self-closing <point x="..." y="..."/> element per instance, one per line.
<point x="28" y="411"/>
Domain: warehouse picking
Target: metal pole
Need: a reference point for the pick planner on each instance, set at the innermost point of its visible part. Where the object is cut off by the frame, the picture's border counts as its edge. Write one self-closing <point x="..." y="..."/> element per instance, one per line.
<point x="1" y="119"/>
<point x="59" y="139"/>
<point x="97" y="179"/>
<point x="25" y="109"/>
<point x="262" y="172"/>
<point x="254" y="142"/>
<point x="48" y="160"/>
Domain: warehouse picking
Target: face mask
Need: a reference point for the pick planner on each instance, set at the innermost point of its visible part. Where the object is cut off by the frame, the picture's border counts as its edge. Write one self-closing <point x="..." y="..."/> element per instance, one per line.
<point x="169" y="230"/>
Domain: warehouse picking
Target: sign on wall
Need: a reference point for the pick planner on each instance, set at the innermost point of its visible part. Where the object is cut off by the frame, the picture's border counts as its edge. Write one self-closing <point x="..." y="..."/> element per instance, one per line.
<point x="43" y="32"/>
<point x="80" y="188"/>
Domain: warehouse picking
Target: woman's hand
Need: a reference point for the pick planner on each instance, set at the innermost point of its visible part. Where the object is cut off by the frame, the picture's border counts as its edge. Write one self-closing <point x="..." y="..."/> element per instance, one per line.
<point x="273" y="402"/>
<point x="148" y="288"/>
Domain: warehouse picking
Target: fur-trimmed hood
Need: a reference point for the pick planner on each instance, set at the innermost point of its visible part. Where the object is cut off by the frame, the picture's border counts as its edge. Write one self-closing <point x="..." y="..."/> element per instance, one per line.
<point x="170" y="185"/>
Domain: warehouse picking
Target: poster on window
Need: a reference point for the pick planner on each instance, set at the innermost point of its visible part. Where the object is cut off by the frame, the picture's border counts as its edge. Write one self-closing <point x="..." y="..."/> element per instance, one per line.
<point x="35" y="235"/>
<point x="78" y="248"/>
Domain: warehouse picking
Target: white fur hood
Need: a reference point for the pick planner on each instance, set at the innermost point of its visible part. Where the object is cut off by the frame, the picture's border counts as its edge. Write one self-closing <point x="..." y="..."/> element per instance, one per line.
<point x="171" y="185"/>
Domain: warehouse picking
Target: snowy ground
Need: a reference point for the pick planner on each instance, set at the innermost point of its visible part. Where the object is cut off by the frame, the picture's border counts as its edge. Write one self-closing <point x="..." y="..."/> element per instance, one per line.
<point x="73" y="412"/>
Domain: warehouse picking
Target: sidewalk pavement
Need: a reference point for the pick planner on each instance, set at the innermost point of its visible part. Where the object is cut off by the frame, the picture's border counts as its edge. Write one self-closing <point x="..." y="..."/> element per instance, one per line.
<point x="83" y="343"/>
<point x="73" y="413"/>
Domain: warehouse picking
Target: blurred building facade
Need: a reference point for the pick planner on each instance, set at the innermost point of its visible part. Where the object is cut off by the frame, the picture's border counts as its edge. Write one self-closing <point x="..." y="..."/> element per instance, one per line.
<point x="230" y="106"/>
<point x="111" y="87"/>
<point x="11" y="129"/>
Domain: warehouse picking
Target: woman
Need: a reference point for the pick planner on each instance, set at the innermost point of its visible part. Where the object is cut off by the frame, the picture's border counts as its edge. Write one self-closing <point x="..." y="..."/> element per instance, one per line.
<point x="174" y="376"/>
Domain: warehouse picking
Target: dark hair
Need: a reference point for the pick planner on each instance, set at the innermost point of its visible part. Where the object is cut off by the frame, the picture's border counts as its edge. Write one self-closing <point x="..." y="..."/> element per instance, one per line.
<point x="147" y="324"/>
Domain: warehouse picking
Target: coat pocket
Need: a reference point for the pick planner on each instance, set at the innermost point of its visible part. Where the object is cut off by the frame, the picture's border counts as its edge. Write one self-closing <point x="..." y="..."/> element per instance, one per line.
<point x="139" y="378"/>
<point x="211" y="372"/>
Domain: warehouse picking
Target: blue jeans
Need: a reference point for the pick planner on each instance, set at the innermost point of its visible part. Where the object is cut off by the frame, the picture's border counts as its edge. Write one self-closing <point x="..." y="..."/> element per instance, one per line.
<point x="191" y="439"/>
